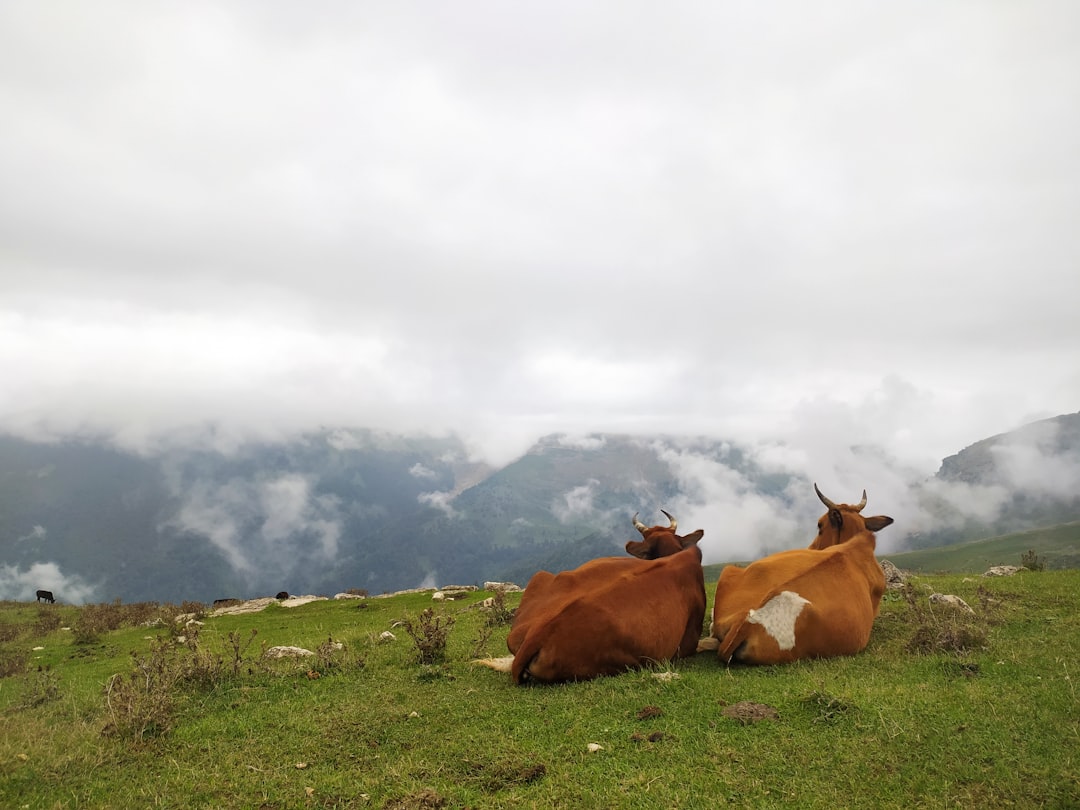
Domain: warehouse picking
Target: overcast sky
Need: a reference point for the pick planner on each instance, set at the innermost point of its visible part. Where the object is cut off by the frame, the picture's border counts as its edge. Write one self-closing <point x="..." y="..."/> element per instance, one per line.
<point x="846" y="222"/>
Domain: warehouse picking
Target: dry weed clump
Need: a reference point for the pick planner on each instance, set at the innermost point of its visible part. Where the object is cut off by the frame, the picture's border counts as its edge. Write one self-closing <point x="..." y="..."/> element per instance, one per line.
<point x="429" y="633"/>
<point x="13" y="662"/>
<point x="945" y="629"/>
<point x="142" y="702"/>
<point x="40" y="687"/>
<point x="499" y="613"/>
<point x="47" y="621"/>
<point x="827" y="708"/>
<point x="93" y="621"/>
<point x="1032" y="561"/>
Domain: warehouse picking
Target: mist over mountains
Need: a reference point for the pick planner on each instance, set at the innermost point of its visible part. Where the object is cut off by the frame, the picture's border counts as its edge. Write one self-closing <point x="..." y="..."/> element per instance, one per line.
<point x="342" y="509"/>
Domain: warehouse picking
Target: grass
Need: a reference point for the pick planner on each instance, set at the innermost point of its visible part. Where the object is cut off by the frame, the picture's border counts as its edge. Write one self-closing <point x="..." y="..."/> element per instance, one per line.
<point x="369" y="726"/>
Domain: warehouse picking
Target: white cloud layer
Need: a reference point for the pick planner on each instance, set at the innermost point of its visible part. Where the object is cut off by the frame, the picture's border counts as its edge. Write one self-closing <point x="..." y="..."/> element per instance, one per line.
<point x="21" y="584"/>
<point x="805" y="227"/>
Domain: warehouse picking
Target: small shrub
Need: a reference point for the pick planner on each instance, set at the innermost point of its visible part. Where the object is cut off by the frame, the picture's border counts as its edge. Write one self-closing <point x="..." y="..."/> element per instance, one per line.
<point x="94" y="621"/>
<point x="13" y="662"/>
<point x="239" y="646"/>
<point x="1032" y="561"/>
<point x="429" y="633"/>
<point x="142" y="702"/>
<point x="480" y="643"/>
<point x="47" y="622"/>
<point x="499" y="613"/>
<point x="197" y="609"/>
<point x="357" y="591"/>
<point x="136" y="613"/>
<point x="41" y="687"/>
<point x="10" y="631"/>
<point x="329" y="655"/>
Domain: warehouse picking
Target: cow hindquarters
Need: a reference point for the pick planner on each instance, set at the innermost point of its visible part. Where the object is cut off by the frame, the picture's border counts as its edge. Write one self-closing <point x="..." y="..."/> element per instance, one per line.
<point x="787" y="627"/>
<point x="769" y="634"/>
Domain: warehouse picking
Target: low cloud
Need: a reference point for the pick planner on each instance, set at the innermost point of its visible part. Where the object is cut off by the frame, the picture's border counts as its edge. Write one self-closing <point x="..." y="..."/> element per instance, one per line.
<point x="21" y="584"/>
<point x="36" y="533"/>
<point x="576" y="505"/>
<point x="1030" y="461"/>
<point x="739" y="522"/>
<point x="581" y="442"/>
<point x="440" y="501"/>
<point x="264" y="527"/>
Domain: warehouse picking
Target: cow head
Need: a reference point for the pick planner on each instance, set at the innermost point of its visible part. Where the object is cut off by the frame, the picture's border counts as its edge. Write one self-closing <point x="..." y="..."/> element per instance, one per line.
<point x="661" y="541"/>
<point x="843" y="521"/>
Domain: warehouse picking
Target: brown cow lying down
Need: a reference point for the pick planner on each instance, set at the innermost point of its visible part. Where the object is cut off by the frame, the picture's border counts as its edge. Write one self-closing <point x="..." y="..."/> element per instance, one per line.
<point x="610" y="614"/>
<point x="815" y="602"/>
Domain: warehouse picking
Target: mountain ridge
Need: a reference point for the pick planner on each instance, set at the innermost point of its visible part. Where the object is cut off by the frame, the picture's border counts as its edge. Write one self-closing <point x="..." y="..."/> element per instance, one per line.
<point x="338" y="509"/>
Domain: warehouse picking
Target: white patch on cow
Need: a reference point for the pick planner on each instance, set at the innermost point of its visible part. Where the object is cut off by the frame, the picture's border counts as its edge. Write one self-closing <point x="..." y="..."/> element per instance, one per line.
<point x="778" y="617"/>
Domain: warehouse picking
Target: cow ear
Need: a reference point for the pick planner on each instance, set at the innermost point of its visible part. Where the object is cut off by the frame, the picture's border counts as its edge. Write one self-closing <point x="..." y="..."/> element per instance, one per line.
<point x="836" y="519"/>
<point x="691" y="539"/>
<point x="878" y="522"/>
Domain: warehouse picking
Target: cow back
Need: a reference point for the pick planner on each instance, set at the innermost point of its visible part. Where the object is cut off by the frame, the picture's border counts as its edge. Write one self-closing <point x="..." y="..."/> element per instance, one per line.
<point x="799" y="604"/>
<point x="607" y="616"/>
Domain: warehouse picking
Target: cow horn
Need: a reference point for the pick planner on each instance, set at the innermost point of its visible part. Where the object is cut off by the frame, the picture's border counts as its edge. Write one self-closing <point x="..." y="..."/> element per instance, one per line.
<point x="825" y="500"/>
<point x="862" y="503"/>
<point x="641" y="527"/>
<point x="674" y="522"/>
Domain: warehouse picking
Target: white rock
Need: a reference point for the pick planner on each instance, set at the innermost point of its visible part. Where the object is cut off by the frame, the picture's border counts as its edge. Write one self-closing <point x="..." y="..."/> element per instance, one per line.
<point x="951" y="600"/>
<point x="1002" y="571"/>
<point x="288" y="652"/>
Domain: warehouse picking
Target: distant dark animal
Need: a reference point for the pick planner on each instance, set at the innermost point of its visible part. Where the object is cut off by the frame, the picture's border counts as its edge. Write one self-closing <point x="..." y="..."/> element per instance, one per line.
<point x="814" y="602"/>
<point x="611" y="614"/>
<point x="282" y="595"/>
<point x="47" y="596"/>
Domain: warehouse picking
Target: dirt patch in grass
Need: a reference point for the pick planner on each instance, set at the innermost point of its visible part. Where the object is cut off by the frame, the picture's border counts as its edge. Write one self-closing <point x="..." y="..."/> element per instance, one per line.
<point x="649" y="712"/>
<point x="747" y="712"/>
<point x="421" y="800"/>
<point x="826" y="707"/>
<point x="492" y="777"/>
<point x="656" y="736"/>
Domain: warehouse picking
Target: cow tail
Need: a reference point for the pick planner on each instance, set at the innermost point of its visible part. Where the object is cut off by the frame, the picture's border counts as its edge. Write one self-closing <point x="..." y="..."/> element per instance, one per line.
<point x="733" y="639"/>
<point x="740" y="631"/>
<point x="498" y="664"/>
<point x="708" y="644"/>
<point x="523" y="658"/>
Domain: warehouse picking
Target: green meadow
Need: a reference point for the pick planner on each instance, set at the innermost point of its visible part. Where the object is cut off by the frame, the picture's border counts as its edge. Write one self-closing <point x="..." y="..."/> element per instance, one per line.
<point x="943" y="709"/>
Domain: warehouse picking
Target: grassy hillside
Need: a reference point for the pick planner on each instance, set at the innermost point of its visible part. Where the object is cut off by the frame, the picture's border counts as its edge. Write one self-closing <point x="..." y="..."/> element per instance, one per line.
<point x="926" y="716"/>
<point x="1059" y="546"/>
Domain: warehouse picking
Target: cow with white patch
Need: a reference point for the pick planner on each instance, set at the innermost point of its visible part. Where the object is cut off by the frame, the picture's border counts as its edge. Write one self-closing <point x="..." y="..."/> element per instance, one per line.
<point x="816" y="602"/>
